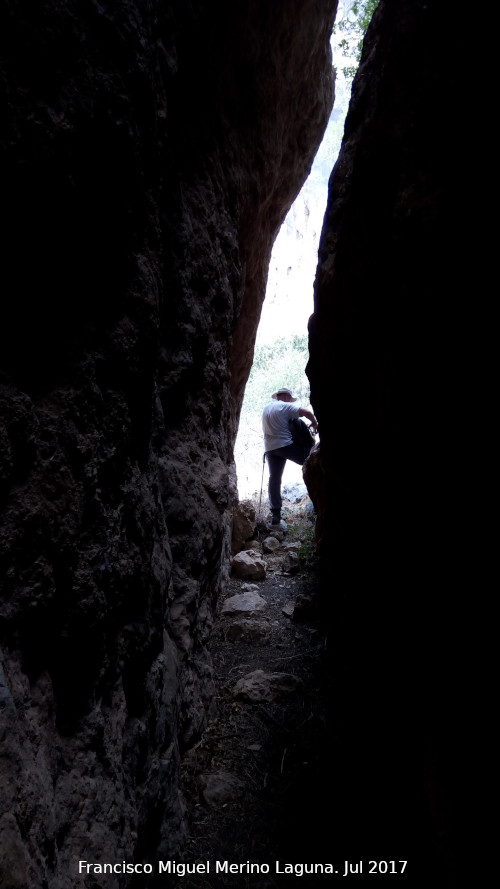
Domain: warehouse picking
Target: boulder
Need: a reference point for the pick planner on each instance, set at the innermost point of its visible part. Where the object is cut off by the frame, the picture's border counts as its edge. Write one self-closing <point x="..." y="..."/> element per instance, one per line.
<point x="249" y="564"/>
<point x="244" y="522"/>
<point x="261" y="686"/>
<point x="270" y="544"/>
<point x="218" y="788"/>
<point x="243" y="603"/>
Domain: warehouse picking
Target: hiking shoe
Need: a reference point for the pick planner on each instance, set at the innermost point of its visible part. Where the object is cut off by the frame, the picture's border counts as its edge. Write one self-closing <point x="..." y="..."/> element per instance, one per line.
<point x="276" y="519"/>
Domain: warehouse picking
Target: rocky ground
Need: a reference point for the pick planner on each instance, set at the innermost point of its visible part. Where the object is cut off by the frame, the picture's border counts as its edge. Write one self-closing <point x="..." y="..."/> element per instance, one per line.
<point x="254" y="782"/>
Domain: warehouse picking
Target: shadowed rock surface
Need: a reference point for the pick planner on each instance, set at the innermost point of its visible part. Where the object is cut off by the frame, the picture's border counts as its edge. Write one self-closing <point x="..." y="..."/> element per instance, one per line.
<point x="398" y="376"/>
<point x="149" y="155"/>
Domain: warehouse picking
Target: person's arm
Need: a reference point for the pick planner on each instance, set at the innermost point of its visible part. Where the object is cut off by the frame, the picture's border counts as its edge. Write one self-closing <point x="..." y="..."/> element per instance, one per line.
<point x="305" y="413"/>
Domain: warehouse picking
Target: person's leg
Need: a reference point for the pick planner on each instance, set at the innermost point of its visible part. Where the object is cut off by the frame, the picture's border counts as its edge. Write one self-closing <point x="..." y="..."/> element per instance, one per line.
<point x="276" y="465"/>
<point x="296" y="453"/>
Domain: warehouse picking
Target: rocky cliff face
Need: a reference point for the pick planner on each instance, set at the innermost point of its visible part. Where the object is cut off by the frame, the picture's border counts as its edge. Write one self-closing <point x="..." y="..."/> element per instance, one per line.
<point x="149" y="155"/>
<point x="397" y="372"/>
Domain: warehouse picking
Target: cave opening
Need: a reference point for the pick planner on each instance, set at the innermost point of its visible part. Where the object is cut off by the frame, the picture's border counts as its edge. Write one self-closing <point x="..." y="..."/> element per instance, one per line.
<point x="281" y="344"/>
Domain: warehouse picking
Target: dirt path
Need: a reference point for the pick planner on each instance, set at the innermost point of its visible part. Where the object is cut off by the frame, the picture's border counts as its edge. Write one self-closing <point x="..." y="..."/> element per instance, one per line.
<point x="254" y="782"/>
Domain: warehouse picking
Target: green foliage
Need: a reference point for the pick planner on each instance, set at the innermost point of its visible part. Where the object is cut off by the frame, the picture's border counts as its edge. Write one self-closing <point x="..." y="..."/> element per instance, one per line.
<point x="277" y="364"/>
<point x="307" y="551"/>
<point x="353" y="29"/>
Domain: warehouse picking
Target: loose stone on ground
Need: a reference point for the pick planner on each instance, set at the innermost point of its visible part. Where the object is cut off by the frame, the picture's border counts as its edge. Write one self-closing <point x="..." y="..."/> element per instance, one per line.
<point x="261" y="686"/>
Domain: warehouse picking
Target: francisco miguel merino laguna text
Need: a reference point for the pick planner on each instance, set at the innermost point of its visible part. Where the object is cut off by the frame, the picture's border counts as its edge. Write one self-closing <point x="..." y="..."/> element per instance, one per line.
<point x="181" y="869"/>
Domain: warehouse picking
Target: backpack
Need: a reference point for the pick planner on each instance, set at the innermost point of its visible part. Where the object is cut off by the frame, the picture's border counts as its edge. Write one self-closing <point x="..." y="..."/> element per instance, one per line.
<point x="301" y="433"/>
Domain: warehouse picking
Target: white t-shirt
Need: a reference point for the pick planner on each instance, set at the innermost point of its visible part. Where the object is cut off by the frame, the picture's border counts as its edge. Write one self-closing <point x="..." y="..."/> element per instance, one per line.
<point x="275" y="417"/>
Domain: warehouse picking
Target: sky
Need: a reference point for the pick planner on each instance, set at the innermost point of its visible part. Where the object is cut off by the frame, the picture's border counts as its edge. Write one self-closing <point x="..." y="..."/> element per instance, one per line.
<point x="289" y="293"/>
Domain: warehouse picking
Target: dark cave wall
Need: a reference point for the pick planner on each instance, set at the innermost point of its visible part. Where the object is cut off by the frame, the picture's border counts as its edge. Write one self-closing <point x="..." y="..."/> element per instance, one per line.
<point x="397" y="371"/>
<point x="149" y="154"/>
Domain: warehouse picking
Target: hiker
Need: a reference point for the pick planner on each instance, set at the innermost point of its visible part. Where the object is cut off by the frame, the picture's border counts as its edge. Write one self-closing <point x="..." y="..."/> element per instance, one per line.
<point x="279" y="445"/>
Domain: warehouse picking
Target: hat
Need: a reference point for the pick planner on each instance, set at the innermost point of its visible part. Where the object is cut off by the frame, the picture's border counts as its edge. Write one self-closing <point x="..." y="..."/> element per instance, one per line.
<point x="283" y="392"/>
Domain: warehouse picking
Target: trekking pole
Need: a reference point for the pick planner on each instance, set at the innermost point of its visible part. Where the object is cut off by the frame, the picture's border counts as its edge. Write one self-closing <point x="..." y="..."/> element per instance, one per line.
<point x="262" y="482"/>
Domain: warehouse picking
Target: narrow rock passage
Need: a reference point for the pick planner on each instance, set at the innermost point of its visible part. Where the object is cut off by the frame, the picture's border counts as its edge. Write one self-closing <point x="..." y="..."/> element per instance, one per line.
<point x="255" y="782"/>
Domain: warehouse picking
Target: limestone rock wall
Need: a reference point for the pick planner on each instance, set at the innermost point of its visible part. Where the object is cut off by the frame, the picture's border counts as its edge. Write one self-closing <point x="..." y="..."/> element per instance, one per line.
<point x="149" y="154"/>
<point x="397" y="368"/>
